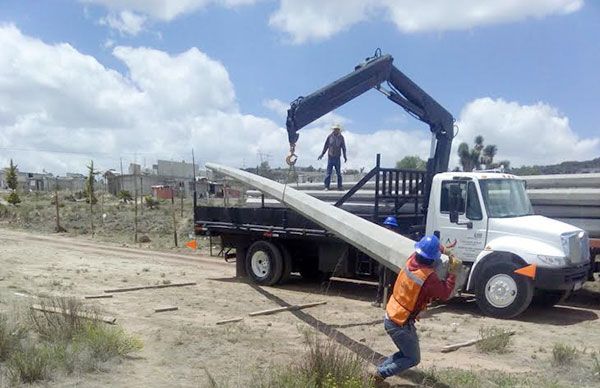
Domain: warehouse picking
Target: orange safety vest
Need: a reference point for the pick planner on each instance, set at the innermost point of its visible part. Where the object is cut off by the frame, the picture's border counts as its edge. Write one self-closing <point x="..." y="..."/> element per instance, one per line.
<point x="407" y="288"/>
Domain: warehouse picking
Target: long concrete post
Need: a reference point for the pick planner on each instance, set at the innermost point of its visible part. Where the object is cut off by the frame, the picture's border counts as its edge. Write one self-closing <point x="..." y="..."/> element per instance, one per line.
<point x="383" y="245"/>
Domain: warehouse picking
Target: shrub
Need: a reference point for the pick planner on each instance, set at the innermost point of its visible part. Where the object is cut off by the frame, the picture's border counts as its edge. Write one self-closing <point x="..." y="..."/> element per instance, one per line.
<point x="151" y="202"/>
<point x="563" y="355"/>
<point x="59" y="327"/>
<point x="493" y="340"/>
<point x="326" y="364"/>
<point x="106" y="342"/>
<point x="30" y="364"/>
<point x="10" y="337"/>
<point x="125" y="196"/>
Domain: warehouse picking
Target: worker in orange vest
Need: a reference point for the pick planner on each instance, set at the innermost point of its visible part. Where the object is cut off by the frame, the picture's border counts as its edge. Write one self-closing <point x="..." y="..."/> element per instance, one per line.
<point x="416" y="286"/>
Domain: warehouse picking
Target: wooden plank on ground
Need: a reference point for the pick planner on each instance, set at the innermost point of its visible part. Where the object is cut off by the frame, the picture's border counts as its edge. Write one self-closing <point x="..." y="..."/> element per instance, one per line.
<point x="229" y="321"/>
<point x="93" y="317"/>
<point x="287" y="308"/>
<point x="451" y="348"/>
<point x="115" y="290"/>
<point x="163" y="309"/>
<point x="103" y="296"/>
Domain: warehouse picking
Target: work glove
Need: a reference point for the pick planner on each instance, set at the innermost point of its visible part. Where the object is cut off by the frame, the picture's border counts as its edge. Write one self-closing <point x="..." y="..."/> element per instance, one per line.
<point x="454" y="264"/>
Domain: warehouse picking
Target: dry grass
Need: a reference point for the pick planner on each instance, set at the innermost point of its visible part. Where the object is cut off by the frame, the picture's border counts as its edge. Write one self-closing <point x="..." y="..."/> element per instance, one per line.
<point x="42" y="343"/>
<point x="493" y="340"/>
<point x="325" y="365"/>
<point x="563" y="355"/>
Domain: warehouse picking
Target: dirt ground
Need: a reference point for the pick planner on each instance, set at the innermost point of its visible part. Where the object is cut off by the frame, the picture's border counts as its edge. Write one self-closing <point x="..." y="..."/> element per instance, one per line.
<point x="183" y="348"/>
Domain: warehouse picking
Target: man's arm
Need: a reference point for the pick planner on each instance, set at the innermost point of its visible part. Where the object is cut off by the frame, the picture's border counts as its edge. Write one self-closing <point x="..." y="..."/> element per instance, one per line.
<point x="435" y="288"/>
<point x="325" y="146"/>
<point x="344" y="148"/>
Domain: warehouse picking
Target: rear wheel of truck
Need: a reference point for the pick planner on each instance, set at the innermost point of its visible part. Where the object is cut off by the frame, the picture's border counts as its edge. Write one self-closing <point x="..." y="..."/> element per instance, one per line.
<point x="501" y="293"/>
<point x="264" y="263"/>
<point x="549" y="298"/>
<point x="287" y="264"/>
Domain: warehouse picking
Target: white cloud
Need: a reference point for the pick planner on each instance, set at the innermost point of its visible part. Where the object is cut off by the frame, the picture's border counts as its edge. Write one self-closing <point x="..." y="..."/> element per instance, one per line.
<point x="130" y="16"/>
<point x="53" y="97"/>
<point x="317" y="20"/>
<point x="524" y="134"/>
<point x="126" y="22"/>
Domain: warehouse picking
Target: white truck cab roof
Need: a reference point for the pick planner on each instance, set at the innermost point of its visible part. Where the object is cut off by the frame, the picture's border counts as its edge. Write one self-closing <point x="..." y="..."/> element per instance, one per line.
<point x="474" y="175"/>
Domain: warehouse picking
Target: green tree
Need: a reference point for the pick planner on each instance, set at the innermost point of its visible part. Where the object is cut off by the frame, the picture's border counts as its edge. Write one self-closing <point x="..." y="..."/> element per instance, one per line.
<point x="11" y="180"/>
<point x="88" y="189"/>
<point x="265" y="170"/>
<point x="412" y="162"/>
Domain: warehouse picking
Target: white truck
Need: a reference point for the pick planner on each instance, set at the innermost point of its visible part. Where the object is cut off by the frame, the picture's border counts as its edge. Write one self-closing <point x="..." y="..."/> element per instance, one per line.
<point x="491" y="218"/>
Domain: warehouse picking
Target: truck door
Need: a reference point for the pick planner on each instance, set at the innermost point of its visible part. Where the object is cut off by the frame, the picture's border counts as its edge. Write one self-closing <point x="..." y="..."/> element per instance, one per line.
<point x="470" y="228"/>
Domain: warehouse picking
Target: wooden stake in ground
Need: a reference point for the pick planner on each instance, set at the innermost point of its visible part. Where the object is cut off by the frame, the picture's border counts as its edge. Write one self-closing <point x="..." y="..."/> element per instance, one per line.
<point x="93" y="317"/>
<point x="451" y="348"/>
<point x="149" y="287"/>
<point x="135" y="215"/>
<point x="174" y="218"/>
<point x="59" y="228"/>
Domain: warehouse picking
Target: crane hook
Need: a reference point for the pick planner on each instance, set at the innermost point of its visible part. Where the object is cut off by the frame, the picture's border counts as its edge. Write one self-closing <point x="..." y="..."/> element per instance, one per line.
<point x="292" y="158"/>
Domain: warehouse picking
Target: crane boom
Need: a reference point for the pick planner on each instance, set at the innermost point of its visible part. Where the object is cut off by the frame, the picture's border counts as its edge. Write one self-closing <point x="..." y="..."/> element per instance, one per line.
<point x="403" y="91"/>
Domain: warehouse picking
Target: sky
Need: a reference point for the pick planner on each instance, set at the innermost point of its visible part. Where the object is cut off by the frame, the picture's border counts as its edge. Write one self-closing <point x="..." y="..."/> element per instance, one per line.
<point x="141" y="80"/>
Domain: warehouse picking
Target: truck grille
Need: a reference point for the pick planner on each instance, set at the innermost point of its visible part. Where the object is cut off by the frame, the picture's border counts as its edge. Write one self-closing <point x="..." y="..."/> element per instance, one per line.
<point x="578" y="245"/>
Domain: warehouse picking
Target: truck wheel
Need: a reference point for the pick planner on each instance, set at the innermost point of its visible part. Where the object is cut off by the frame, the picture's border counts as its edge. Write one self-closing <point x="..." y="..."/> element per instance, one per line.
<point x="264" y="263"/>
<point x="549" y="298"/>
<point x="501" y="293"/>
<point x="287" y="264"/>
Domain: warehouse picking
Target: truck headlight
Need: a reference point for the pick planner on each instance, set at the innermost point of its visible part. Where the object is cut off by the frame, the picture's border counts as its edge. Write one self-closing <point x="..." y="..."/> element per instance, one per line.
<point x="553" y="260"/>
<point x="565" y="242"/>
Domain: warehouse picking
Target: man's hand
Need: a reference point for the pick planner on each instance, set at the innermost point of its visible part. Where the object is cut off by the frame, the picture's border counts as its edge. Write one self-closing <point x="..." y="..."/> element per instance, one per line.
<point x="454" y="264"/>
<point x="345" y="160"/>
<point x="320" y="157"/>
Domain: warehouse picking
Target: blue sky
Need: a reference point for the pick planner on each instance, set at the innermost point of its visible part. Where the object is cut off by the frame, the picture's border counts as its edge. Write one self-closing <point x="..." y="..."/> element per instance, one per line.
<point x="535" y="64"/>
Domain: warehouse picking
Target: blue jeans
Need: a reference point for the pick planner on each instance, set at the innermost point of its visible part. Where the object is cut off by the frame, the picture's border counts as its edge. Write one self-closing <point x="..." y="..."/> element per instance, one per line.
<point x="406" y="339"/>
<point x="331" y="163"/>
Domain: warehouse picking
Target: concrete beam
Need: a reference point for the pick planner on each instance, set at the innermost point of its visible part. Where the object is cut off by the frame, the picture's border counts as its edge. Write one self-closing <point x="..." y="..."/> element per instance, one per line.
<point x="388" y="248"/>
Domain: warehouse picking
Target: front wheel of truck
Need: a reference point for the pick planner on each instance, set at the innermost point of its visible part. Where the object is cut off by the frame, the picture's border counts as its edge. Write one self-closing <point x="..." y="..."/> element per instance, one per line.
<point x="501" y="293"/>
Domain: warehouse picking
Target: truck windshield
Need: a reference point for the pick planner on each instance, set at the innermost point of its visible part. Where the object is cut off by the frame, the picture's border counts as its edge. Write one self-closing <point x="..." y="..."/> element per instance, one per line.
<point x="505" y="198"/>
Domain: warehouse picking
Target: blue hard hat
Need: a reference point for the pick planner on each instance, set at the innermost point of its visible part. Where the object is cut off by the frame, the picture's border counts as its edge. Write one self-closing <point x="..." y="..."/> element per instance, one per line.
<point x="429" y="248"/>
<point x="391" y="221"/>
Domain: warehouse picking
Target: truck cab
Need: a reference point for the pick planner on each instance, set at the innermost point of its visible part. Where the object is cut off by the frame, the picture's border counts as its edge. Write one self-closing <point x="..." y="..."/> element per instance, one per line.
<point x="490" y="217"/>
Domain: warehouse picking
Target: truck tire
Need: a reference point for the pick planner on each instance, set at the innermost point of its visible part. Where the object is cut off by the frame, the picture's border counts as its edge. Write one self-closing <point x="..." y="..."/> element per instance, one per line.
<point x="549" y="298"/>
<point x="501" y="293"/>
<point x="287" y="264"/>
<point x="264" y="263"/>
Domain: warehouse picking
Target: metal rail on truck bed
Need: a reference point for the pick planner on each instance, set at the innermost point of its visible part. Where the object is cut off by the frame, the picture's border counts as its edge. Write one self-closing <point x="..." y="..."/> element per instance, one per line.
<point x="400" y="187"/>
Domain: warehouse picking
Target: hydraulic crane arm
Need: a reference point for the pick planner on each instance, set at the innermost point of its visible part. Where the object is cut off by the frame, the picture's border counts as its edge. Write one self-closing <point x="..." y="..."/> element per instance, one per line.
<point x="404" y="92"/>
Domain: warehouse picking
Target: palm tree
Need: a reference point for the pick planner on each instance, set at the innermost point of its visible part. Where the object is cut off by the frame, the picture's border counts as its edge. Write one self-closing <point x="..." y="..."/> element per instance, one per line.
<point x="470" y="158"/>
<point x="489" y="152"/>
